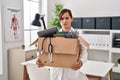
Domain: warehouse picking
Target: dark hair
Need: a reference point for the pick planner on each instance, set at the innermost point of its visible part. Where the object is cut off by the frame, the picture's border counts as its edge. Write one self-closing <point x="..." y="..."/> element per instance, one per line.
<point x="64" y="11"/>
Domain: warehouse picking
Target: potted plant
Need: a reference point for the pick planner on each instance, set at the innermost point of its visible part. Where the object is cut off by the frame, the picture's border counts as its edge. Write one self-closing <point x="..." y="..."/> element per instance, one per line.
<point x="118" y="61"/>
<point x="55" y="21"/>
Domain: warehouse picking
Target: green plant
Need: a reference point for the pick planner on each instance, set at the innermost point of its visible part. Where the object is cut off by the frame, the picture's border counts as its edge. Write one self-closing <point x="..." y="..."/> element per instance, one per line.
<point x="55" y="21"/>
<point x="118" y="61"/>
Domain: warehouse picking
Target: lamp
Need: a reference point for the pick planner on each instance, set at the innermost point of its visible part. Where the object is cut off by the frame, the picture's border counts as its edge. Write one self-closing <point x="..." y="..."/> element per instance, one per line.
<point x="46" y="32"/>
<point x="36" y="21"/>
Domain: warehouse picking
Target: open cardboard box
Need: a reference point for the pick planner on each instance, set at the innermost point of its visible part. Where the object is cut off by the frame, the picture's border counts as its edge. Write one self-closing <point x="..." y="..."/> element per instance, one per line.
<point x="64" y="53"/>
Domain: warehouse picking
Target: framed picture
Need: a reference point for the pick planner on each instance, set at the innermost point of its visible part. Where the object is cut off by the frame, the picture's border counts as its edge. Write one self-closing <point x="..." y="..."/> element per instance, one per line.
<point x="13" y="24"/>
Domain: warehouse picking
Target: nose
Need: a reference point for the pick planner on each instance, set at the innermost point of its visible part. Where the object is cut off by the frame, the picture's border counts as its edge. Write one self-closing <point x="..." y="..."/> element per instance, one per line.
<point x="64" y="20"/>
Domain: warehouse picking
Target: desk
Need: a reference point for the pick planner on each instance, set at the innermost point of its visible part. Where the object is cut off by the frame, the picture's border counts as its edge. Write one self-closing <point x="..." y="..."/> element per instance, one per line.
<point x="97" y="69"/>
<point x="91" y="68"/>
<point x="25" y="68"/>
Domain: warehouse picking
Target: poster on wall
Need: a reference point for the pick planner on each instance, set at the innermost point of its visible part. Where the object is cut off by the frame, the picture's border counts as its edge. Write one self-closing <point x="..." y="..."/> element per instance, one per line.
<point x="13" y="25"/>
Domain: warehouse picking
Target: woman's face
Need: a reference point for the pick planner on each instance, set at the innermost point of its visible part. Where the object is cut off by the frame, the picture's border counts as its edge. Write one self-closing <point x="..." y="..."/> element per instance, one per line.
<point x="66" y="20"/>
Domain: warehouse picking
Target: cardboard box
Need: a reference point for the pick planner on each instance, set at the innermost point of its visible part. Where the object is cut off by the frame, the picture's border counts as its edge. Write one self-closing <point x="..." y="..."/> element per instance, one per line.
<point x="64" y="52"/>
<point x="65" y="55"/>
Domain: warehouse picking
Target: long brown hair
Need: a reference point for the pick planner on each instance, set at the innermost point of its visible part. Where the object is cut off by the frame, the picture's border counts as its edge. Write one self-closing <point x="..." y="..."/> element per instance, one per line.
<point x="64" y="11"/>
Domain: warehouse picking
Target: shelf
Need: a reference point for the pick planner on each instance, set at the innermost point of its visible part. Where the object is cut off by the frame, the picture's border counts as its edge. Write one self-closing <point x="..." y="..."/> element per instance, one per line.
<point x="115" y="50"/>
<point x="112" y="31"/>
<point x="116" y="69"/>
<point x="94" y="30"/>
<point x="115" y="31"/>
<point x="97" y="32"/>
<point x="104" y="49"/>
<point x="101" y="42"/>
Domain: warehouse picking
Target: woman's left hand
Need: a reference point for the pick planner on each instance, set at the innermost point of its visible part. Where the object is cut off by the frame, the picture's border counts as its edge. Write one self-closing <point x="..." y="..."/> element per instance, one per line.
<point x="77" y="65"/>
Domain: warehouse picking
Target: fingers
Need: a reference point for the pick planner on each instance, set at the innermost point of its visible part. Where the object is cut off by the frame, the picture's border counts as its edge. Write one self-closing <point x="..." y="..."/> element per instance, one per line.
<point x="76" y="66"/>
<point x="39" y="63"/>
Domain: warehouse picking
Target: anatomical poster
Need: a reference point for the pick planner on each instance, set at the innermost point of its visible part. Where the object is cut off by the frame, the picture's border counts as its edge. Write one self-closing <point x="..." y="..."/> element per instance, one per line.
<point x="13" y="24"/>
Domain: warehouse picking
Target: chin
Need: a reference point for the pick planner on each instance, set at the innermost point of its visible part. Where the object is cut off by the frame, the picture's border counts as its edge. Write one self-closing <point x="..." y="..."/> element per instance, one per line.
<point x="66" y="27"/>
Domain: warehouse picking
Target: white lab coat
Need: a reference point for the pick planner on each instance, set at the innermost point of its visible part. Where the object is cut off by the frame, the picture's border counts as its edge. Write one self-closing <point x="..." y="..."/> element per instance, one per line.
<point x="67" y="73"/>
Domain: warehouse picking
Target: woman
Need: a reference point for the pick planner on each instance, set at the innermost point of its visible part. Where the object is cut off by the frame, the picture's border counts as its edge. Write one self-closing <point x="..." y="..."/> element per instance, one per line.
<point x="73" y="73"/>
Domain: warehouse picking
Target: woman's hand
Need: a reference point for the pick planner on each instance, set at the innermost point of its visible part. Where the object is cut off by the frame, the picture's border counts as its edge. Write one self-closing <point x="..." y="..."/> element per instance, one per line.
<point x="77" y="65"/>
<point x="39" y="63"/>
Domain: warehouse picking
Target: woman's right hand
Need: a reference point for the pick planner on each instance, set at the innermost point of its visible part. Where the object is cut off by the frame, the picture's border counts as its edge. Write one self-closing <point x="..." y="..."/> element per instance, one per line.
<point x="39" y="63"/>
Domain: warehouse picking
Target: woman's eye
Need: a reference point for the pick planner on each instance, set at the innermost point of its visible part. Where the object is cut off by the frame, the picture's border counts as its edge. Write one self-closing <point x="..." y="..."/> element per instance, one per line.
<point x="62" y="19"/>
<point x="67" y="18"/>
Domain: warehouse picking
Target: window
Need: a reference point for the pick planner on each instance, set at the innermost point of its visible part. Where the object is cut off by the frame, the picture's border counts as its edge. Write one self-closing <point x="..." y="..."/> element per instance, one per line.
<point x="31" y="7"/>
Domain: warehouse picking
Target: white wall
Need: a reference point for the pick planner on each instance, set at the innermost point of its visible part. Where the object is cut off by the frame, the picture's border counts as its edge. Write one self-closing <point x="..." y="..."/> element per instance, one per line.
<point x="88" y="8"/>
<point x="8" y="45"/>
<point x="0" y="42"/>
<point x="44" y="10"/>
<point x="94" y="7"/>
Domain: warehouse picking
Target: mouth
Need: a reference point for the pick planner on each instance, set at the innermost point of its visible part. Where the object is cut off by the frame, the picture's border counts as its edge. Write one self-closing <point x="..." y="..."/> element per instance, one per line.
<point x="65" y="24"/>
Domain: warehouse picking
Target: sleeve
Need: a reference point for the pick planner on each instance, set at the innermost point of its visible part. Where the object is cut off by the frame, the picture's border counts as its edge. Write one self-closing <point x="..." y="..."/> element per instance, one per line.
<point x="83" y="54"/>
